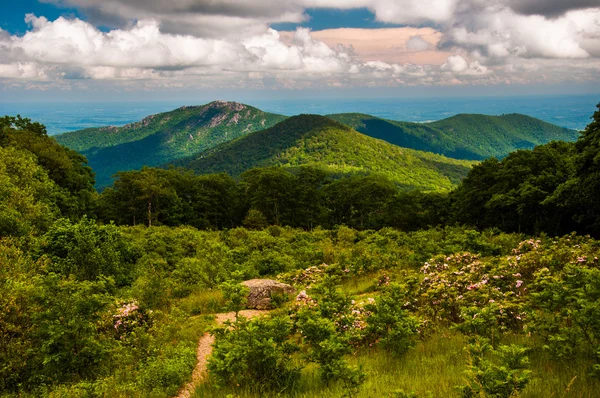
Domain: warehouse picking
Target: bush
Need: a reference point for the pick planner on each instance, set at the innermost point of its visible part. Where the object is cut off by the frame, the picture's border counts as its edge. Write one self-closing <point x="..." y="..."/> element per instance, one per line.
<point x="389" y="323"/>
<point x="502" y="376"/>
<point x="87" y="250"/>
<point x="254" y="353"/>
<point x="165" y="374"/>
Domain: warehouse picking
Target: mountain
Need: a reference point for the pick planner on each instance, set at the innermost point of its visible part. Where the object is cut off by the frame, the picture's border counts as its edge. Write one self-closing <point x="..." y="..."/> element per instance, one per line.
<point x="319" y="141"/>
<point x="462" y="136"/>
<point x="160" y="138"/>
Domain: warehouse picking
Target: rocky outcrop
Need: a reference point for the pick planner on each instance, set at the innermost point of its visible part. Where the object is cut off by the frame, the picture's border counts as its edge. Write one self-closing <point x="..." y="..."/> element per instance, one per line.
<point x="261" y="291"/>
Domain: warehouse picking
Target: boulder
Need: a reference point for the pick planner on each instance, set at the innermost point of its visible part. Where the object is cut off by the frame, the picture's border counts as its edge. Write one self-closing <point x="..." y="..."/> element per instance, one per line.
<point x="261" y="290"/>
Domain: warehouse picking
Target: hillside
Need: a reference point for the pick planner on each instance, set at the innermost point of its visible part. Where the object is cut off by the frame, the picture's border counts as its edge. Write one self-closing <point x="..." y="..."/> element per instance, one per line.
<point x="319" y="141"/>
<point x="462" y="136"/>
<point x="160" y="138"/>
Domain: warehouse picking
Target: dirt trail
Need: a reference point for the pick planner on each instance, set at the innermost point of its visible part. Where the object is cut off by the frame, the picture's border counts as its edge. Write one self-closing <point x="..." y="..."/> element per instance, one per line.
<point x="205" y="348"/>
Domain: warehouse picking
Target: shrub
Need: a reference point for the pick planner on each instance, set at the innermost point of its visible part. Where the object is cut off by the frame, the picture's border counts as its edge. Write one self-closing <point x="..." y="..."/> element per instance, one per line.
<point x="87" y="250"/>
<point x="502" y="376"/>
<point x="389" y="323"/>
<point x="254" y="353"/>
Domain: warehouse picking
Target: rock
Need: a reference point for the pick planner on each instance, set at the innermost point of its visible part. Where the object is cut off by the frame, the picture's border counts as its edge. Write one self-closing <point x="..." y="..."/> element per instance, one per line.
<point x="261" y="290"/>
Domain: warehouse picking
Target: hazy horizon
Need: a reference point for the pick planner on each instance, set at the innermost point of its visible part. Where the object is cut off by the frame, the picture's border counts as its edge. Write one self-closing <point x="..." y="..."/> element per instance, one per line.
<point x="571" y="111"/>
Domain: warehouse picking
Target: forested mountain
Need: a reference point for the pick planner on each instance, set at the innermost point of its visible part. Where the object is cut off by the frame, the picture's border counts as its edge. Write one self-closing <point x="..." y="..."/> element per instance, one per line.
<point x="462" y="136"/>
<point x="166" y="136"/>
<point x="312" y="140"/>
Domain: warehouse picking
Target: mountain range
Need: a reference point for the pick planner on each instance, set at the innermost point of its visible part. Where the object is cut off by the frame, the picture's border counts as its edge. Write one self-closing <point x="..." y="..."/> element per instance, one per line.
<point x="312" y="140"/>
<point x="232" y="137"/>
<point x="163" y="137"/>
<point x="463" y="136"/>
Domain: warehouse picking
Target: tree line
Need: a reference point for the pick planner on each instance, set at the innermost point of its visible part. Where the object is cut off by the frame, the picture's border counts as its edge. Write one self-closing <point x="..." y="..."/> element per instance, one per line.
<point x="551" y="189"/>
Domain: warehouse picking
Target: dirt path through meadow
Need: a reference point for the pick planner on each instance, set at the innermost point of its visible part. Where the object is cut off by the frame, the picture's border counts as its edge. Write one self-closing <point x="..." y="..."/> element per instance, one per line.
<point x="205" y="348"/>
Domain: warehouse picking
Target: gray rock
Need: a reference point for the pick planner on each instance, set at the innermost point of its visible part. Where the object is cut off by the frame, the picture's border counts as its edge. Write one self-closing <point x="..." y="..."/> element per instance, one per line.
<point x="261" y="290"/>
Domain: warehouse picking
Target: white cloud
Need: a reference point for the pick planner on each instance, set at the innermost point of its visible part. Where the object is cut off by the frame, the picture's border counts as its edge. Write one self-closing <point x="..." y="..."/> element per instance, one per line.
<point x="461" y="66"/>
<point x="417" y="43"/>
<point x="503" y="33"/>
<point x="228" y="42"/>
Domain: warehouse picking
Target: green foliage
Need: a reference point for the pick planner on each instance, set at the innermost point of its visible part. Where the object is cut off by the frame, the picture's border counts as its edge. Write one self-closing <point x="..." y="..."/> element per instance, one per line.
<point x="515" y="194"/>
<point x="565" y="297"/>
<point x="8" y="123"/>
<point x="26" y="194"/>
<point x="171" y="197"/>
<point x="165" y="374"/>
<point x="235" y="295"/>
<point x="462" y="136"/>
<point x="255" y="353"/>
<point x="74" y="193"/>
<point x="310" y="140"/>
<point x="501" y="377"/>
<point x="87" y="250"/>
<point x="389" y="323"/>
<point x="581" y="192"/>
<point x="164" y="137"/>
<point x="255" y="220"/>
<point x="329" y="326"/>
<point x="70" y="318"/>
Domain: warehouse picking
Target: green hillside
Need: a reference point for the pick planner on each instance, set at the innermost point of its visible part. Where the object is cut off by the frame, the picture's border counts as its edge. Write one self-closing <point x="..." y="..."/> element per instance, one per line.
<point x="160" y="138"/>
<point x="462" y="136"/>
<point x="320" y="141"/>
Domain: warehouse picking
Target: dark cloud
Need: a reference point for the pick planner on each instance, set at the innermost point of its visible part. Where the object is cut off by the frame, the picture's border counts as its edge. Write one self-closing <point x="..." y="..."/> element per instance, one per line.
<point x="229" y="8"/>
<point x="550" y="8"/>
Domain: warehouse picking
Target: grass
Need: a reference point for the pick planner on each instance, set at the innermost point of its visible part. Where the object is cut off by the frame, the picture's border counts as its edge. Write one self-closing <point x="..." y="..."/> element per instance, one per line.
<point x="432" y="369"/>
<point x="358" y="285"/>
<point x="202" y="302"/>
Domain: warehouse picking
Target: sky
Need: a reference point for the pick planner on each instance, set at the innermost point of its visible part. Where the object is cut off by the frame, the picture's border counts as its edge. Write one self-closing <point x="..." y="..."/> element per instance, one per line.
<point x="137" y="49"/>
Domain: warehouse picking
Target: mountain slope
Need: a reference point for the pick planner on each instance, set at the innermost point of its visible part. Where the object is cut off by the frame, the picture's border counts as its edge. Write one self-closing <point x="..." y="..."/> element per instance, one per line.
<point x="160" y="138"/>
<point x="462" y="136"/>
<point x="319" y="141"/>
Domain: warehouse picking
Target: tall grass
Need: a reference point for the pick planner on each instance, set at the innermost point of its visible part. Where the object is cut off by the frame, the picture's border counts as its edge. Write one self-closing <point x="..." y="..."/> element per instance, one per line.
<point x="432" y="369"/>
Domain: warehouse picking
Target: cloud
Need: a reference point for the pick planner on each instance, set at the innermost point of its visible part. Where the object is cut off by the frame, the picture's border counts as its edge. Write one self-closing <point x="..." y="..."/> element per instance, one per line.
<point x="217" y="18"/>
<point x="390" y="45"/>
<point x="550" y="8"/>
<point x="502" y="33"/>
<point x="223" y="43"/>
<point x="461" y="66"/>
<point x="417" y="43"/>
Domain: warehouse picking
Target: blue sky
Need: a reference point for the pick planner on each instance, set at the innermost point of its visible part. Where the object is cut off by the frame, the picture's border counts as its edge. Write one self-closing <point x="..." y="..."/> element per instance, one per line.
<point x="13" y="14"/>
<point x="293" y="48"/>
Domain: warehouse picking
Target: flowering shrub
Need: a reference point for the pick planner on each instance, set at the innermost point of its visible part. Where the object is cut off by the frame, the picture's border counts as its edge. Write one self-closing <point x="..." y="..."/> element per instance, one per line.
<point x="305" y="277"/>
<point x="482" y="296"/>
<point x="128" y="317"/>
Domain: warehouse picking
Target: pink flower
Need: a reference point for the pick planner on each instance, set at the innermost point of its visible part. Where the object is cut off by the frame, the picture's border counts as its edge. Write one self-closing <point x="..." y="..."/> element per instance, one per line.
<point x="519" y="283"/>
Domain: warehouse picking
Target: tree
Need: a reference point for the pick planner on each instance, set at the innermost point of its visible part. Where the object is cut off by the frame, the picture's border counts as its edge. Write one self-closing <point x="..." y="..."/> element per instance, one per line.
<point x="584" y="192"/>
<point x="137" y="195"/>
<point x="517" y="194"/>
<point x="360" y="201"/>
<point x="87" y="250"/>
<point x="27" y="195"/>
<point x="271" y="191"/>
<point x="68" y="169"/>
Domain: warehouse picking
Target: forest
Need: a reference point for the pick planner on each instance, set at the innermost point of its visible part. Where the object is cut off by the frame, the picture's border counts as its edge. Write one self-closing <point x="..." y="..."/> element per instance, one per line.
<point x="490" y="289"/>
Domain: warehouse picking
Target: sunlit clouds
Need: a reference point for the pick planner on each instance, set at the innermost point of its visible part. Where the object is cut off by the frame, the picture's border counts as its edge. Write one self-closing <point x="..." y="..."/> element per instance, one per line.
<point x="231" y="44"/>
